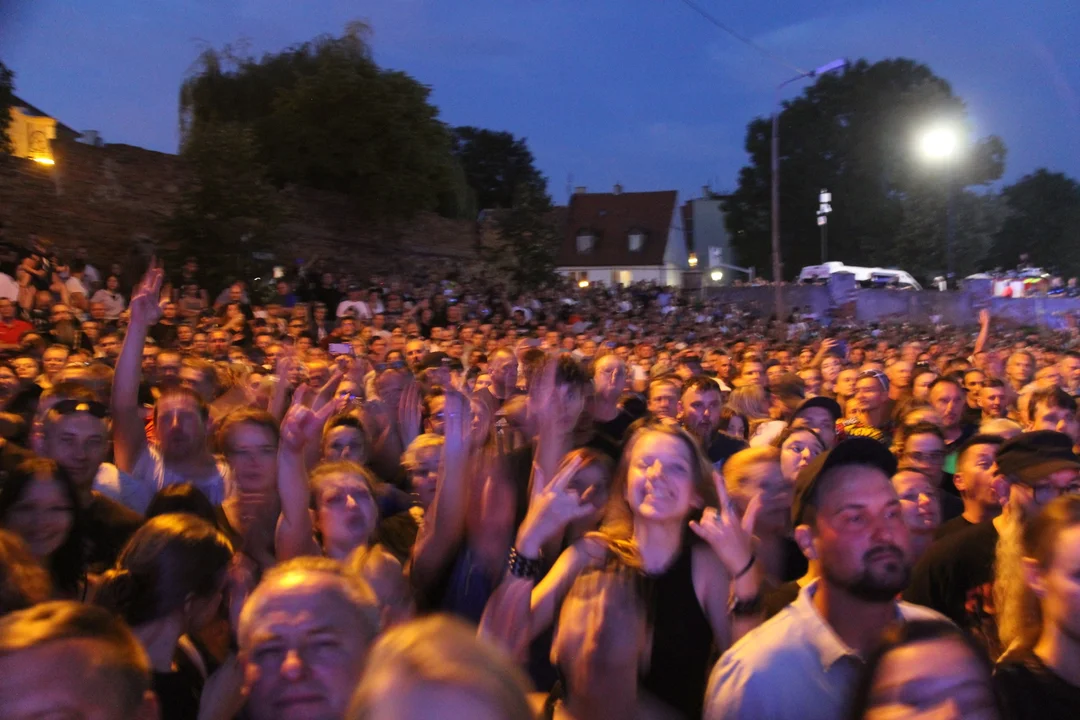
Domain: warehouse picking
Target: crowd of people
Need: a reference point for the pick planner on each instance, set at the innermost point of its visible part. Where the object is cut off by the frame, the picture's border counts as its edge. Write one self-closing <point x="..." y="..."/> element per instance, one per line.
<point x="421" y="495"/>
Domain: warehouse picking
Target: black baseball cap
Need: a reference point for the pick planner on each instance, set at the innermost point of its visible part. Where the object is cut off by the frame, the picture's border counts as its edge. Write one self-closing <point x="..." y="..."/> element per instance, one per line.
<point x="853" y="451"/>
<point x="1031" y="456"/>
<point x="819" y="401"/>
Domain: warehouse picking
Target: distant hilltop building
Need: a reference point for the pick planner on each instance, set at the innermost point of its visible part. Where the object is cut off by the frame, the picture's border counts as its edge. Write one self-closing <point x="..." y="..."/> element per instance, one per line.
<point x="32" y="131"/>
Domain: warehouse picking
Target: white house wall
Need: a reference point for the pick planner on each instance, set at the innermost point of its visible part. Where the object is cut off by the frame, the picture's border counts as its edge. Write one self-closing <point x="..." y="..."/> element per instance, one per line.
<point x="669" y="275"/>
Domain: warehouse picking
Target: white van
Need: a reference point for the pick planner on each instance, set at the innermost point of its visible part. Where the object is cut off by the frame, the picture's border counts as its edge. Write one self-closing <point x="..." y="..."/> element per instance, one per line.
<point x="868" y="277"/>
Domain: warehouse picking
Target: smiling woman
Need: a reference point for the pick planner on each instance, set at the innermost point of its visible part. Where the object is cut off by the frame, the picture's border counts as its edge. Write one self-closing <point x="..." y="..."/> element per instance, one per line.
<point x="662" y="486"/>
<point x="38" y="503"/>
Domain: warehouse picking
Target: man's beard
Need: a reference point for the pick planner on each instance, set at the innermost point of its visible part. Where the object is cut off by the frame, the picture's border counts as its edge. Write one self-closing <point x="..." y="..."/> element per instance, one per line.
<point x="876" y="586"/>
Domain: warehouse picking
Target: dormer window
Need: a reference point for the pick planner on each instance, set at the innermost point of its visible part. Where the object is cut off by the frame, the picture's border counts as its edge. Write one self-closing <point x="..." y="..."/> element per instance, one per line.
<point x="585" y="242"/>
<point x="636" y="241"/>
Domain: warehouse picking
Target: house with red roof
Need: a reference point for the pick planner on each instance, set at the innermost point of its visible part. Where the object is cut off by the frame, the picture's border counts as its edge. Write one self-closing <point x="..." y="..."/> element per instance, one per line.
<point x="619" y="238"/>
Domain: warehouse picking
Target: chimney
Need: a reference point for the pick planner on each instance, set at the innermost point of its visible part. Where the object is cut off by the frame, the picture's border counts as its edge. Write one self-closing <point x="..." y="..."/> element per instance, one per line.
<point x="580" y="190"/>
<point x="705" y="191"/>
<point x="618" y="189"/>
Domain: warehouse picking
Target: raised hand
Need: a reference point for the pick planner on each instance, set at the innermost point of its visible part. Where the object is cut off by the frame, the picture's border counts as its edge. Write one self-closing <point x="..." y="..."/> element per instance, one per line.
<point x="224" y="694"/>
<point x="984" y="317"/>
<point x="731" y="538"/>
<point x="543" y="399"/>
<point x="302" y="425"/>
<point x="410" y="413"/>
<point x="552" y="509"/>
<point x="146" y="298"/>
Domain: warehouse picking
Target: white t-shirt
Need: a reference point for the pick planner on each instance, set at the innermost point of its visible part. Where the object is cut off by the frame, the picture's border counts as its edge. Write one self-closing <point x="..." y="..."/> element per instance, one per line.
<point x="75" y="285"/>
<point x="359" y="308"/>
<point x="150" y="471"/>
<point x="93" y="277"/>
<point x="767" y="432"/>
<point x="113" y="302"/>
<point x="8" y="287"/>
<point x="111" y="482"/>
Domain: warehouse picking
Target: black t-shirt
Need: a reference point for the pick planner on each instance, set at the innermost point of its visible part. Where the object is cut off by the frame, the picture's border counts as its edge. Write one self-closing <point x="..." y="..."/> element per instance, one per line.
<point x="164" y="334"/>
<point x="952" y="507"/>
<point x="178" y="693"/>
<point x="609" y="437"/>
<point x="108" y="525"/>
<point x="1029" y="690"/>
<point x="951" y="527"/>
<point x="722" y="447"/>
<point x="956" y="578"/>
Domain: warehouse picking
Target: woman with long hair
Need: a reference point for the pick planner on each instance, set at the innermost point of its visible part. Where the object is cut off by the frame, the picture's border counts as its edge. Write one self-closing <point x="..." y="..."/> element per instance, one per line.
<point x="751" y="402"/>
<point x="169" y="582"/>
<point x="1039" y="674"/>
<point x="38" y="503"/>
<point x="733" y="423"/>
<point x="664" y="498"/>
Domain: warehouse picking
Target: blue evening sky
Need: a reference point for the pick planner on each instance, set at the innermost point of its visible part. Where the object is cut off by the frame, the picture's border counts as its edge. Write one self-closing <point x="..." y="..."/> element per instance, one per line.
<point x="641" y="92"/>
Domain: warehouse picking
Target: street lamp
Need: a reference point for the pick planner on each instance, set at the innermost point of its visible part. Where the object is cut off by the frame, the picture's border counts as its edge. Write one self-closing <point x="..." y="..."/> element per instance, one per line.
<point x="716" y="276"/>
<point x="834" y="66"/>
<point x="941" y="144"/>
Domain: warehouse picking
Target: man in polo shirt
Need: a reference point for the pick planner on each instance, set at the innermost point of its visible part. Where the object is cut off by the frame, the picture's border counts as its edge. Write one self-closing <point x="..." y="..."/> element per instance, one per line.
<point x="804" y="663"/>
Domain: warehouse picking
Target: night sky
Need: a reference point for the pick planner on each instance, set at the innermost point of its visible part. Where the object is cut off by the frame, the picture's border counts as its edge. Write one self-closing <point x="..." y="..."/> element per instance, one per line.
<point x="641" y="92"/>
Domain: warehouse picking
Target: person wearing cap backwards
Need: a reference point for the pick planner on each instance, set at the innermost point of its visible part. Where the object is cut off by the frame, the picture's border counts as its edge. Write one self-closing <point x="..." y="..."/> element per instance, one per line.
<point x="957" y="575"/>
<point x="871" y="416"/>
<point x="804" y="663"/>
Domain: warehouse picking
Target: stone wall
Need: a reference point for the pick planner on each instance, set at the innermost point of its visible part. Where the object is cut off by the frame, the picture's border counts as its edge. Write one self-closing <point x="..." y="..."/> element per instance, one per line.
<point x="109" y="198"/>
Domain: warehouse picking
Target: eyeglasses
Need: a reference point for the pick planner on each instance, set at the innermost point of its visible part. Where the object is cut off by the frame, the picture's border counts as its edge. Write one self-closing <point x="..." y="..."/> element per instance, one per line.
<point x="70" y="407"/>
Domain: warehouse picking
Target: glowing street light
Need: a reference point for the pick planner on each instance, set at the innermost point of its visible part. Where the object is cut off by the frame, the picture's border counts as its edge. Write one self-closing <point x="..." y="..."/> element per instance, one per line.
<point x="939" y="143"/>
<point x="716" y="275"/>
<point x="583" y="284"/>
<point x="692" y="260"/>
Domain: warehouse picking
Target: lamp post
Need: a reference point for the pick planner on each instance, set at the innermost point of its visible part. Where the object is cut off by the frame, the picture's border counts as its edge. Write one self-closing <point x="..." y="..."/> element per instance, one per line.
<point x="777" y="265"/>
<point x="941" y="144"/>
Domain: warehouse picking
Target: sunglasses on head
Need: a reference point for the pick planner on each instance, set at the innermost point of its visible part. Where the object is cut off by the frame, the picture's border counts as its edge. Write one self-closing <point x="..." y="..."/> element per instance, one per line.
<point x="70" y="407"/>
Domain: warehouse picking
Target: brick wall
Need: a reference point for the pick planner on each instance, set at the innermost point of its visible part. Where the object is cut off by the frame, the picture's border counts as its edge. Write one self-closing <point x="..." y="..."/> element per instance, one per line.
<point x="109" y="198"/>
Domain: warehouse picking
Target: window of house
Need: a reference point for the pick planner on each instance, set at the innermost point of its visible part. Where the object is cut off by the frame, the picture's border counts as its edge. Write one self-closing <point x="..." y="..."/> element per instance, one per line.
<point x="585" y="242"/>
<point x="637" y="241"/>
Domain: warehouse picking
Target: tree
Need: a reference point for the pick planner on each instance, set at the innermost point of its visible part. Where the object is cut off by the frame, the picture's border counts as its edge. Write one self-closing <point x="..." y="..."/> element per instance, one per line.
<point x="528" y="240"/>
<point x="1043" y="222"/>
<point x="325" y="116"/>
<point x="496" y="166"/>
<point x="854" y="133"/>
<point x="7" y="101"/>
<point x="227" y="202"/>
